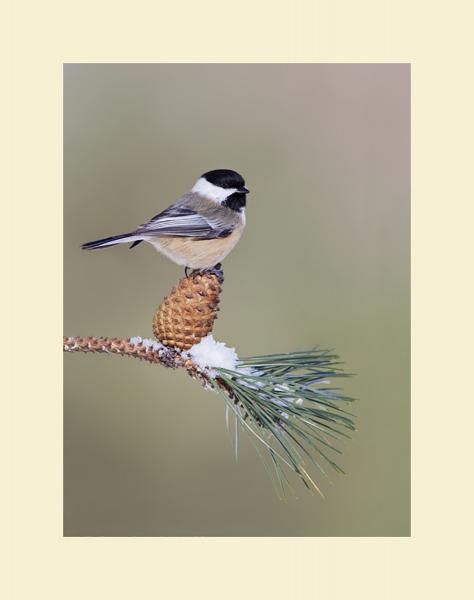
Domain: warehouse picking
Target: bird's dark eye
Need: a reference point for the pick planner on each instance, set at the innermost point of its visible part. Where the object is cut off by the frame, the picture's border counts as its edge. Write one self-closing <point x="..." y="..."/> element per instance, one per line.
<point x="231" y="183"/>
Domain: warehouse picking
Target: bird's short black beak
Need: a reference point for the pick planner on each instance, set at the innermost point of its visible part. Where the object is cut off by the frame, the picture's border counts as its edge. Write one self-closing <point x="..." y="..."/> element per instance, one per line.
<point x="244" y="190"/>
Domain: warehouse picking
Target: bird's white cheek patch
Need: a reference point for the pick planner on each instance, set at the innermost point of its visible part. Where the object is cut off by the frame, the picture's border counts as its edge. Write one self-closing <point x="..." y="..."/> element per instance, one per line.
<point x="211" y="191"/>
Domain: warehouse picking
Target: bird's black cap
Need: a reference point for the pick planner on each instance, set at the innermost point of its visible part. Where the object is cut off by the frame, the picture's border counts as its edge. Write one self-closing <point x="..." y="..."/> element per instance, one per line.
<point x="225" y="178"/>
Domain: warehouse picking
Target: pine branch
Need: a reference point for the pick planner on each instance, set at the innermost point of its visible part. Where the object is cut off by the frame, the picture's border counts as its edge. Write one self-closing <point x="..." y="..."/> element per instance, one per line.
<point x="283" y="401"/>
<point x="154" y="353"/>
<point x="136" y="347"/>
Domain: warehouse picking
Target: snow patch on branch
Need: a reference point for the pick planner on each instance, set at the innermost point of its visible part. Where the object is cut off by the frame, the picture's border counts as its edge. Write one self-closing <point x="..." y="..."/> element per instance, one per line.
<point x="146" y="343"/>
<point x="209" y="353"/>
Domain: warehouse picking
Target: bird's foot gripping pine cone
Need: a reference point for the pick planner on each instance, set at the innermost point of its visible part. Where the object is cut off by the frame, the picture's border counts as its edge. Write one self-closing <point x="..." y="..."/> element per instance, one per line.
<point x="187" y="314"/>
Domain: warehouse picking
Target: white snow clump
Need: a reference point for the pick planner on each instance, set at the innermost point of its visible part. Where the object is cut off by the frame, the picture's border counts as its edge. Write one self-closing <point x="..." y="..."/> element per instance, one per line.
<point x="209" y="353"/>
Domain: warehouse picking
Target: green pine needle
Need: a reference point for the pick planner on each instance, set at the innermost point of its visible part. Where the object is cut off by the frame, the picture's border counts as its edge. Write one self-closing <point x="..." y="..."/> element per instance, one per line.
<point x="284" y="402"/>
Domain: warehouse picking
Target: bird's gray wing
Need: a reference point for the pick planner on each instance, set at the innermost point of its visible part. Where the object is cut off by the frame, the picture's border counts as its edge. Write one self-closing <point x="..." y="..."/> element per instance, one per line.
<point x="184" y="221"/>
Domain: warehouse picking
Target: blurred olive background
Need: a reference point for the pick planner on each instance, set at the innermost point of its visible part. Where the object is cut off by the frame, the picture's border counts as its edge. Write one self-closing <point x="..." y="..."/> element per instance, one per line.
<point x="325" y="259"/>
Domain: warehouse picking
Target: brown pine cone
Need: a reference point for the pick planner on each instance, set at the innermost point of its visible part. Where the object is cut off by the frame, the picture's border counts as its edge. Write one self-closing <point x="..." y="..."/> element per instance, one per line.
<point x="188" y="313"/>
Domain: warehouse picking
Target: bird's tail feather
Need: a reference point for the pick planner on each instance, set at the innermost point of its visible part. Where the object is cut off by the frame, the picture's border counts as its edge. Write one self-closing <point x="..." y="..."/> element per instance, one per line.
<point x="124" y="238"/>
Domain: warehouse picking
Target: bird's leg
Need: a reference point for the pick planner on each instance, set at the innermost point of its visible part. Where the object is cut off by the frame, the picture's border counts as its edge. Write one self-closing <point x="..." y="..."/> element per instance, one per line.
<point x="186" y="271"/>
<point x="215" y="270"/>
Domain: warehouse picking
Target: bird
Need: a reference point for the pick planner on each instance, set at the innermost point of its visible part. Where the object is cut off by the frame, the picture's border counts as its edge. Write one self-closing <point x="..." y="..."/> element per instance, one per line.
<point x="198" y="230"/>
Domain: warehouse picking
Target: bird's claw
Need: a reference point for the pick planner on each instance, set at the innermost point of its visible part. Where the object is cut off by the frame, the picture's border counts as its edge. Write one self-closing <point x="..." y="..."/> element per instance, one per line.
<point x="215" y="270"/>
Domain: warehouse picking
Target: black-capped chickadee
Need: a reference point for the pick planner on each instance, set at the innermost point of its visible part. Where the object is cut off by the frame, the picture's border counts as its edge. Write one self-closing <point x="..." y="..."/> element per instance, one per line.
<point x="198" y="230"/>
